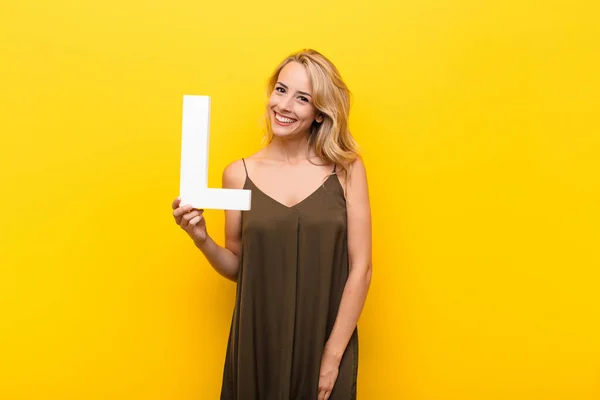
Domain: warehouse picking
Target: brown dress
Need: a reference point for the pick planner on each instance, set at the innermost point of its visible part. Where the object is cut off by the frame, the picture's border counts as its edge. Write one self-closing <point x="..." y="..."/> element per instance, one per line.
<point x="293" y="269"/>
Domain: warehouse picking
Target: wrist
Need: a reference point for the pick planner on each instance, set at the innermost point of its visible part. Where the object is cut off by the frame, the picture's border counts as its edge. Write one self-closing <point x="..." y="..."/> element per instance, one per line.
<point x="332" y="352"/>
<point x="203" y="244"/>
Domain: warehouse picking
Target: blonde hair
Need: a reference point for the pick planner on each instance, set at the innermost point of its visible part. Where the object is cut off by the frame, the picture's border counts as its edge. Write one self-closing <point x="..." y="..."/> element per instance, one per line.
<point x="330" y="139"/>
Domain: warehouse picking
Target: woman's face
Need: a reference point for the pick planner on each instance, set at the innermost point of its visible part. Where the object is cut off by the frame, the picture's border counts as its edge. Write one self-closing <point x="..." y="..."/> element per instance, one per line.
<point x="290" y="105"/>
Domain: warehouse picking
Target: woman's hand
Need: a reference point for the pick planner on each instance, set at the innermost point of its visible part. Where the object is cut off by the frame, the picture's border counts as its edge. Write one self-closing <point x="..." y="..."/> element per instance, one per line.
<point x="190" y="220"/>
<point x="329" y="372"/>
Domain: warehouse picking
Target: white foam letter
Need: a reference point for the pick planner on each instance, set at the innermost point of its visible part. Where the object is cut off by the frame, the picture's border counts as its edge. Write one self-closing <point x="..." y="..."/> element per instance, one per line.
<point x="193" y="185"/>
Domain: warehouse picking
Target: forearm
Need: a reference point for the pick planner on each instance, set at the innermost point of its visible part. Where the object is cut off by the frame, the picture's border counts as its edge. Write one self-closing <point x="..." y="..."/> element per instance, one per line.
<point x="223" y="260"/>
<point x="351" y="305"/>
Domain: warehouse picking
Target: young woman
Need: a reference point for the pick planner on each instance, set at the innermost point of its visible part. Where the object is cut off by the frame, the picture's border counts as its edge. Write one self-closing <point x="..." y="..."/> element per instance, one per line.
<point x="301" y="256"/>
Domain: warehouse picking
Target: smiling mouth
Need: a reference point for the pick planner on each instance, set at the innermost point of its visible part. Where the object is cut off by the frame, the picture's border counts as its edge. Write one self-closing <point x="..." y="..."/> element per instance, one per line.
<point x="284" y="120"/>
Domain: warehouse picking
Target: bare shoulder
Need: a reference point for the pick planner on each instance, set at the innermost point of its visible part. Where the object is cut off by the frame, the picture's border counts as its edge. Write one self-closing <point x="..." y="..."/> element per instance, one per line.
<point x="355" y="177"/>
<point x="358" y="167"/>
<point x="234" y="175"/>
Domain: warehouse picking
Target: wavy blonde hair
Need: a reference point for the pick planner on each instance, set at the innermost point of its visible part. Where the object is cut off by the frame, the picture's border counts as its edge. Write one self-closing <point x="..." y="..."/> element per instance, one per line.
<point x="330" y="139"/>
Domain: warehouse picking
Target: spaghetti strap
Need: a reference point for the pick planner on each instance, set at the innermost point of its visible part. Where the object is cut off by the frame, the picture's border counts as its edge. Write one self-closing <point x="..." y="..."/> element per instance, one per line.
<point x="334" y="167"/>
<point x="246" y="169"/>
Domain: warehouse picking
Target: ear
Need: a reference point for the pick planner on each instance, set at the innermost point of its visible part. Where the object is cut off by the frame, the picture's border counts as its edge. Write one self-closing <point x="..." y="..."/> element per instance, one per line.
<point x="319" y="118"/>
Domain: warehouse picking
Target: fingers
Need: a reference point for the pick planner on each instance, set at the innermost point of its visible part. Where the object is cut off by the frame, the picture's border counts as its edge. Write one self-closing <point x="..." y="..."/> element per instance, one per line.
<point x="324" y="391"/>
<point x="194" y="221"/>
<point x="324" y="394"/>
<point x="179" y="211"/>
<point x="189" y="219"/>
<point x="325" y="388"/>
<point x="189" y="216"/>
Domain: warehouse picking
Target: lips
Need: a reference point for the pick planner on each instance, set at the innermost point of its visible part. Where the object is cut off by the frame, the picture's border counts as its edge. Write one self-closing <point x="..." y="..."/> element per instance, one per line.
<point x="285" y="121"/>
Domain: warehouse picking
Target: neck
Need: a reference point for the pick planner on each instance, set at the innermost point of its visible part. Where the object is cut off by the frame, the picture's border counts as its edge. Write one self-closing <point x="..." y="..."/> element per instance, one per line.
<point x="291" y="150"/>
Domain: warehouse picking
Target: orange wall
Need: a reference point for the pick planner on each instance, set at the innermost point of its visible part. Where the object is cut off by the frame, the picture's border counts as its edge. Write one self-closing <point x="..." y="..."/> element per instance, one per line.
<point x="479" y="124"/>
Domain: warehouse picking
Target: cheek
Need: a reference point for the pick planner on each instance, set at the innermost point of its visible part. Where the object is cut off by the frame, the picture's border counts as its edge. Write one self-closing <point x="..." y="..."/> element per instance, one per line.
<point x="273" y="100"/>
<point x="309" y="114"/>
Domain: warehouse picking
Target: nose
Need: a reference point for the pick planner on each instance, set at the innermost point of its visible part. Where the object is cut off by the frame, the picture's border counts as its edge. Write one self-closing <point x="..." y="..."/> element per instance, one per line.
<point x="286" y="103"/>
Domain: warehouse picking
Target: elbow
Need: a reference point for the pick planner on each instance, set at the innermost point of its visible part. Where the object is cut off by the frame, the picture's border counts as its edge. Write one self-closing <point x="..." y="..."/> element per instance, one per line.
<point x="363" y="274"/>
<point x="367" y="275"/>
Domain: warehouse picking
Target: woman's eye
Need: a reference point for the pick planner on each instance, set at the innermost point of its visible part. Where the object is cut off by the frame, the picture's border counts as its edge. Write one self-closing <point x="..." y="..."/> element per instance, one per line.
<point x="280" y="89"/>
<point x="303" y="98"/>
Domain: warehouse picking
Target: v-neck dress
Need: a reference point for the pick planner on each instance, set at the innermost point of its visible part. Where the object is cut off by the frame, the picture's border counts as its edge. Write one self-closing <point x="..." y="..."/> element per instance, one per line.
<point x="293" y="269"/>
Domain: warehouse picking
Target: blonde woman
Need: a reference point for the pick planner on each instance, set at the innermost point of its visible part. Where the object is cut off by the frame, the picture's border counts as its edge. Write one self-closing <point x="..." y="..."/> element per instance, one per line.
<point x="301" y="256"/>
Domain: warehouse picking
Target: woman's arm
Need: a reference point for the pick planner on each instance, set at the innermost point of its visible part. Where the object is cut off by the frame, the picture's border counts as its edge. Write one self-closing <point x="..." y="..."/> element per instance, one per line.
<point x="359" y="251"/>
<point x="225" y="260"/>
<point x="359" y="278"/>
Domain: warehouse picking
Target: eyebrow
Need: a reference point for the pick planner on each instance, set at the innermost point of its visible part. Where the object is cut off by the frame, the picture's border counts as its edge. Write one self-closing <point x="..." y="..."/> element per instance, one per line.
<point x="305" y="93"/>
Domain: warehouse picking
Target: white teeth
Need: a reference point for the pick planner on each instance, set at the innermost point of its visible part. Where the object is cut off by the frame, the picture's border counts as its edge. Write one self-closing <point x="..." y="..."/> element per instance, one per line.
<point x="284" y="119"/>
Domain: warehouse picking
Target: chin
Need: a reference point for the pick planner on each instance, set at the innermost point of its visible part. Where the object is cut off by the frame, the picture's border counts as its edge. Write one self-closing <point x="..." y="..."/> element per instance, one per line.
<point x="281" y="131"/>
<point x="282" y="135"/>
